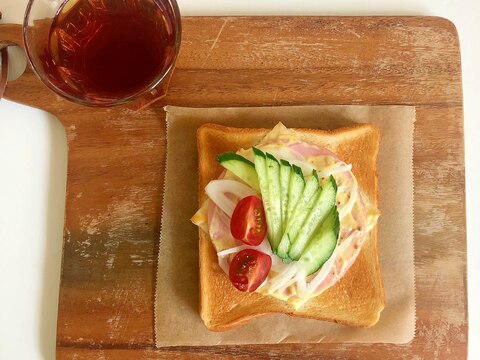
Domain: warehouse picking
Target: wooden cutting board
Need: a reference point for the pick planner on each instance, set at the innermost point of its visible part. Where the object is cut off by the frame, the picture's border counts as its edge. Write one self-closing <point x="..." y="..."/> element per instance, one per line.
<point x="116" y="160"/>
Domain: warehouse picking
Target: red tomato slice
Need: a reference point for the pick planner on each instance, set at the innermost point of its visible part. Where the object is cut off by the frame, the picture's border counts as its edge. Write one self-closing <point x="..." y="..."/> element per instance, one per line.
<point x="249" y="269"/>
<point x="248" y="222"/>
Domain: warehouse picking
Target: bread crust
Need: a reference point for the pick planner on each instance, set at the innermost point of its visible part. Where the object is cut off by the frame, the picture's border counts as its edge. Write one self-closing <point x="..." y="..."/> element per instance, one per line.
<point x="356" y="299"/>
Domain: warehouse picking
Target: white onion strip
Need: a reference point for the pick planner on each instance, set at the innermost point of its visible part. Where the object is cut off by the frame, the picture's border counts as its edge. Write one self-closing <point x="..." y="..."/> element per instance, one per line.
<point x="217" y="190"/>
<point x="223" y="262"/>
<point x="263" y="247"/>
<point x="334" y="170"/>
<point x="301" y="283"/>
<point x="290" y="282"/>
<point x="233" y="250"/>
<point x="299" y="279"/>
<point x="347" y="209"/>
<point x="348" y="241"/>
<point x="278" y="281"/>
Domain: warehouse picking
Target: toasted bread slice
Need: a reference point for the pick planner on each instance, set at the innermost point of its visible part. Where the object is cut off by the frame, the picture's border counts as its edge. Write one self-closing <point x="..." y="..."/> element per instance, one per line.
<point x="355" y="300"/>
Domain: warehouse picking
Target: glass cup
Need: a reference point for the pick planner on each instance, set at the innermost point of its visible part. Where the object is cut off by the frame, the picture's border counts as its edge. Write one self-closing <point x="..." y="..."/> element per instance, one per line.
<point x="103" y="52"/>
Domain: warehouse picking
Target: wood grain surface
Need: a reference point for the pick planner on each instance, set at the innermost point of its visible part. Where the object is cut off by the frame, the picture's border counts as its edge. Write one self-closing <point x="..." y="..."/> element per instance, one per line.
<point x="116" y="161"/>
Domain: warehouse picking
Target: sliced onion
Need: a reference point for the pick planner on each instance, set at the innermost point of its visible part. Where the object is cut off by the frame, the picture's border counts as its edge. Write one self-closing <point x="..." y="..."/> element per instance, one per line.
<point x="301" y="283"/>
<point x="285" y="286"/>
<point x="278" y="265"/>
<point x="217" y="191"/>
<point x="347" y="209"/>
<point x="347" y="242"/>
<point x="278" y="281"/>
<point x="233" y="250"/>
<point x="264" y="247"/>
<point x="293" y="156"/>
<point x="223" y="263"/>
<point x="334" y="170"/>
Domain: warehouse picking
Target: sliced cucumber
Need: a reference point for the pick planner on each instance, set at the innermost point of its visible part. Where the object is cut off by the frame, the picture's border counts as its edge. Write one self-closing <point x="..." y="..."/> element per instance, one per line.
<point x="296" y="186"/>
<point x="302" y="209"/>
<point x="241" y="167"/>
<point x="275" y="198"/>
<point x="285" y="170"/>
<point x="323" y="204"/>
<point x="283" y="247"/>
<point x="322" y="245"/>
<point x="302" y="219"/>
<point x="261" y="168"/>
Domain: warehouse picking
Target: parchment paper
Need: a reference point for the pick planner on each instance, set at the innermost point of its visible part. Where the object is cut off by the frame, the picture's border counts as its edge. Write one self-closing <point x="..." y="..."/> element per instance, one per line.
<point x="177" y="319"/>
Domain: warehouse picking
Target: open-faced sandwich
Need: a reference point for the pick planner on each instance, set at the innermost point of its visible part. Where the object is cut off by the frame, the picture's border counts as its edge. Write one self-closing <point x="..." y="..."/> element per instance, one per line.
<point x="287" y="224"/>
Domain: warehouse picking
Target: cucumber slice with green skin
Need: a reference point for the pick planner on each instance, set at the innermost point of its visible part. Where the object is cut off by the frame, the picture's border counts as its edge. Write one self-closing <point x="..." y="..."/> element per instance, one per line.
<point x="303" y="207"/>
<point x="295" y="190"/>
<point x="241" y="167"/>
<point x="322" y="245"/>
<point x="261" y="168"/>
<point x="323" y="205"/>
<point x="275" y="198"/>
<point x="283" y="247"/>
<point x="285" y="170"/>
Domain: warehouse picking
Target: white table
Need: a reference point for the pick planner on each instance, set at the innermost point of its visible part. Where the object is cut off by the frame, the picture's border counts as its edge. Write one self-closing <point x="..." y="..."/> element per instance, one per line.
<point x="33" y="173"/>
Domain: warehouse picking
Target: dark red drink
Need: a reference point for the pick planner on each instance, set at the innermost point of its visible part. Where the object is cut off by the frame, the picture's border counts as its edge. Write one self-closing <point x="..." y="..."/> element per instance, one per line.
<point x="109" y="49"/>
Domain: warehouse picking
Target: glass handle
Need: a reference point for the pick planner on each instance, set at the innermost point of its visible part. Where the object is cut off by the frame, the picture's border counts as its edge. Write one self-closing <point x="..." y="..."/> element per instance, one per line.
<point x="4" y="44"/>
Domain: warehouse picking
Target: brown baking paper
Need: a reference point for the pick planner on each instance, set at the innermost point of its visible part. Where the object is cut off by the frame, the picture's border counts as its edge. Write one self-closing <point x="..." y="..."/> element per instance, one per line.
<point x="177" y="319"/>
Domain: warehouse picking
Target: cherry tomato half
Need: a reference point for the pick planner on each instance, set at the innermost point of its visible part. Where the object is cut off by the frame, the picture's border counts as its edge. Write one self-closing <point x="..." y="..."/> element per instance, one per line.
<point x="249" y="269"/>
<point x="248" y="222"/>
